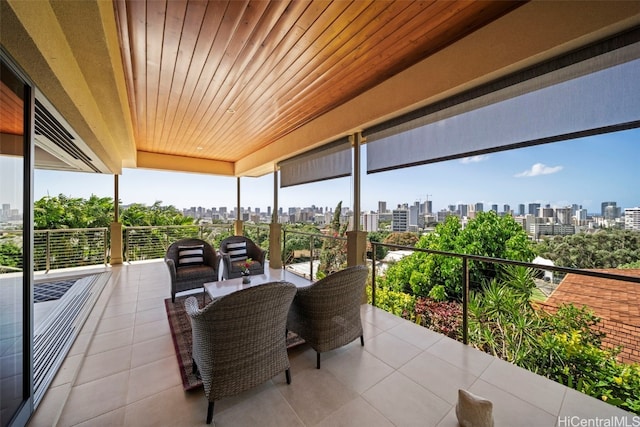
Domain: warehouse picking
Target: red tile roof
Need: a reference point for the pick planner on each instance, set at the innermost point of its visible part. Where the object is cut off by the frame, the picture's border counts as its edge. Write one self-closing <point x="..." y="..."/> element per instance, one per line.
<point x="617" y="303"/>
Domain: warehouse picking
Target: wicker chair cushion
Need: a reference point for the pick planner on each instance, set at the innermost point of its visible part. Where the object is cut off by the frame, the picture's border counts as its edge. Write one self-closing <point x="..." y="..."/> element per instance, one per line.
<point x="189" y="256"/>
<point x="237" y="251"/>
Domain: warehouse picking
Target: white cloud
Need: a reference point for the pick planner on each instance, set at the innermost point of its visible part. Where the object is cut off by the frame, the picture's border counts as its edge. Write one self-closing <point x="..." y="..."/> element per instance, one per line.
<point x="474" y="159"/>
<point x="539" y="169"/>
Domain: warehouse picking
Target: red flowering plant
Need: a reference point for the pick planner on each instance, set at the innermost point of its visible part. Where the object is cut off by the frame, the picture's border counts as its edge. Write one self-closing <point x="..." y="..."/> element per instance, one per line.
<point x="245" y="266"/>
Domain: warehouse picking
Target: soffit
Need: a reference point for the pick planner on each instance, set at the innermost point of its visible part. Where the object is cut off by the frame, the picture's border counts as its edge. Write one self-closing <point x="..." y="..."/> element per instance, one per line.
<point x="222" y="80"/>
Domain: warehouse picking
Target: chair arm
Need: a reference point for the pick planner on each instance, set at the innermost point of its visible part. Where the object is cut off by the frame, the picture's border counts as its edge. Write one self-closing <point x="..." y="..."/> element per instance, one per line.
<point x="226" y="259"/>
<point x="263" y="254"/>
<point x="191" y="307"/>
<point x="171" y="265"/>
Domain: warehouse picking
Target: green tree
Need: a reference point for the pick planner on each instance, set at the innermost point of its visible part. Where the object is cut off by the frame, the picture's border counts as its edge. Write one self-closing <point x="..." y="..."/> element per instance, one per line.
<point x="486" y="235"/>
<point x="606" y="248"/>
<point x="333" y="255"/>
<point x="10" y="255"/>
<point x="299" y="242"/>
<point x="401" y="239"/>
<point x="138" y="214"/>
<point x="378" y="237"/>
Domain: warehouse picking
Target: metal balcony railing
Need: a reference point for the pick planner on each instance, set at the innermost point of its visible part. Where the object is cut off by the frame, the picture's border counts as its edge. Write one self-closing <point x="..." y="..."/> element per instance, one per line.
<point x="65" y="248"/>
<point x="151" y="242"/>
<point x="302" y="248"/>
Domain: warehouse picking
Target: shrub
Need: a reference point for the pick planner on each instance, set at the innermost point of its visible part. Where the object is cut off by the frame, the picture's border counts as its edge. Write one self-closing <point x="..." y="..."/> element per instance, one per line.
<point x="444" y="317"/>
<point x="398" y="303"/>
<point x="437" y="293"/>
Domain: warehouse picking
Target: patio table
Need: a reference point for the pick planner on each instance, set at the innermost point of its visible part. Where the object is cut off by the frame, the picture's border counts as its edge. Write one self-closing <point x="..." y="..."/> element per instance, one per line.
<point x="226" y="287"/>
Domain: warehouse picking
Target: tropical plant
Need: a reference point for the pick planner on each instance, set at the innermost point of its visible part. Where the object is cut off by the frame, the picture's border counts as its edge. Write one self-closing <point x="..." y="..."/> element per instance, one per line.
<point x="333" y="255"/>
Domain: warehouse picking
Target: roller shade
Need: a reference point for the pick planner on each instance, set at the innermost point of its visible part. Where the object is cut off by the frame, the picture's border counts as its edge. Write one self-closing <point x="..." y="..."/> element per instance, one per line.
<point x="596" y="95"/>
<point x="327" y="162"/>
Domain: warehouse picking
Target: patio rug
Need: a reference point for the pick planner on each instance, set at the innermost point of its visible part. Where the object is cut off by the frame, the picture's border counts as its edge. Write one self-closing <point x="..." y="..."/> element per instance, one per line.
<point x="181" y="334"/>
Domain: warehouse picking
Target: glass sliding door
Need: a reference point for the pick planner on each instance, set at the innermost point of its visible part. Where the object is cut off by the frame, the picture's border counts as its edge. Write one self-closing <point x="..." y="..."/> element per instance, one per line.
<point x="15" y="237"/>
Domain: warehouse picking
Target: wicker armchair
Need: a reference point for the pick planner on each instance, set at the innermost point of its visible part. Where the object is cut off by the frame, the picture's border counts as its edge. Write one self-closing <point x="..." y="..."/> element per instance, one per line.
<point x="234" y="258"/>
<point x="188" y="276"/>
<point x="327" y="313"/>
<point x="239" y="340"/>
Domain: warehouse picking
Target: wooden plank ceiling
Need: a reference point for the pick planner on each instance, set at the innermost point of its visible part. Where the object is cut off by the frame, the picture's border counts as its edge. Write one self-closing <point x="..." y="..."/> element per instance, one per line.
<point x="222" y="79"/>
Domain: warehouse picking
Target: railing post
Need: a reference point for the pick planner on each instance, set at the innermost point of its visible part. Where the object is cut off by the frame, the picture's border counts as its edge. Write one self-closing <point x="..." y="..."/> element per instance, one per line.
<point x="311" y="240"/>
<point x="106" y="249"/>
<point x="47" y="251"/>
<point x="465" y="300"/>
<point x="373" y="273"/>
<point x="284" y="248"/>
<point x="126" y="245"/>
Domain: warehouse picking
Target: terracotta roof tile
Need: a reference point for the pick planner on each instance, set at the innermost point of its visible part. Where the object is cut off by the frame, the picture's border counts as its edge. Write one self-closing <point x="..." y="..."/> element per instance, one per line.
<point x="617" y="303"/>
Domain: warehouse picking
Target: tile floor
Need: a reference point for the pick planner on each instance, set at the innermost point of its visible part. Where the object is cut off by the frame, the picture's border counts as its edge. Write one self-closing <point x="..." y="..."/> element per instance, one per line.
<point x="122" y="371"/>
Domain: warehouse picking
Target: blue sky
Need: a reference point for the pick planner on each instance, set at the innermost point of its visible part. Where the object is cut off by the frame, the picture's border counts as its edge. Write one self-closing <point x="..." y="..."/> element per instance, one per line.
<point x="584" y="171"/>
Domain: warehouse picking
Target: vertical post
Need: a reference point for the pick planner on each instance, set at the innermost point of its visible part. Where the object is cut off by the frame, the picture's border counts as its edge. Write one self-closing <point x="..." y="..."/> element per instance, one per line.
<point x="126" y="244"/>
<point x="274" y="214"/>
<point x="357" y="140"/>
<point x="465" y="300"/>
<point x="373" y="273"/>
<point x="106" y="250"/>
<point x="116" y="227"/>
<point x="356" y="238"/>
<point x="311" y="240"/>
<point x="237" y="225"/>
<point x="47" y="262"/>
<point x="275" y="248"/>
<point x="284" y="248"/>
<point x="116" y="199"/>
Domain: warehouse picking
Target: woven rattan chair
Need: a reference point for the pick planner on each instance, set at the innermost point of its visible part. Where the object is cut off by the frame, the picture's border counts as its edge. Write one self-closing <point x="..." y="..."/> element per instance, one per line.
<point x="233" y="263"/>
<point x="239" y="340"/>
<point x="191" y="276"/>
<point x="327" y="313"/>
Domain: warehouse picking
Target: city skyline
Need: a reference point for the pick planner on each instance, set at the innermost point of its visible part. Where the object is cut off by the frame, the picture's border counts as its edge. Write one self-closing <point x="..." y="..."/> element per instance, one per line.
<point x="585" y="171"/>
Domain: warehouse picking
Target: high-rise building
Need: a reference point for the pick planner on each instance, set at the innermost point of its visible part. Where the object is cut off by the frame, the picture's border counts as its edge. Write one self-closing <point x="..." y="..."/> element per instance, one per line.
<point x="632" y="219"/>
<point x="611" y="212"/>
<point x="462" y="210"/>
<point x="370" y="221"/>
<point x="400" y="220"/>
<point x="581" y="216"/>
<point x="521" y="209"/>
<point x="479" y="207"/>
<point x="546" y="213"/>
<point x="382" y="207"/>
<point x="506" y="209"/>
<point x="533" y="209"/>
<point x="494" y="208"/>
<point x="564" y="215"/>
<point x="604" y="207"/>
<point x="427" y="207"/>
<point x="415" y="217"/>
